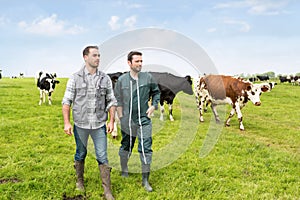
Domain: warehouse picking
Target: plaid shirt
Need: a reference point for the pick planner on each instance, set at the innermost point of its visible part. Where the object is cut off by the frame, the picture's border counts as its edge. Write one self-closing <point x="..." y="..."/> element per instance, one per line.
<point x="95" y="114"/>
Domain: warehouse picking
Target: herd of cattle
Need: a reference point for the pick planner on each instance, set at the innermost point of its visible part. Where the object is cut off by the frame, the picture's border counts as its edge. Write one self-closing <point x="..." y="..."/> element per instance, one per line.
<point x="210" y="90"/>
<point x="294" y="80"/>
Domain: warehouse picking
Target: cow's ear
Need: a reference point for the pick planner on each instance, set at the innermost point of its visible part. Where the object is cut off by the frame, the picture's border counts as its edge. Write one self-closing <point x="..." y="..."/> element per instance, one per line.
<point x="56" y="81"/>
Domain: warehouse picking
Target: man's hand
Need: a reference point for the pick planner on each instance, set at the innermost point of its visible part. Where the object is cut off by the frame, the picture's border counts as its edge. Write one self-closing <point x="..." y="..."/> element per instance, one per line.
<point x="110" y="126"/>
<point x="68" y="129"/>
<point x="150" y="111"/>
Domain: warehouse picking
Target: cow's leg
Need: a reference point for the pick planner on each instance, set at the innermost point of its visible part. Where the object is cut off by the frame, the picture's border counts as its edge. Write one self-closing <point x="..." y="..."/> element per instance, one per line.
<point x="44" y="96"/>
<point x="49" y="98"/>
<point x="214" y="109"/>
<point x="206" y="104"/>
<point x="41" y="97"/>
<point x="162" y="111"/>
<point x="239" y="116"/>
<point x="197" y="99"/>
<point x="232" y="112"/>
<point x="200" y="107"/>
<point x="171" y="112"/>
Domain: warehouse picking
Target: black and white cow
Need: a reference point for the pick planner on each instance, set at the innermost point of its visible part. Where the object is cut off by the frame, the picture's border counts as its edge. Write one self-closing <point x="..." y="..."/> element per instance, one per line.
<point x="284" y="79"/>
<point x="295" y="80"/>
<point x="46" y="84"/>
<point x="169" y="85"/>
<point x="272" y="85"/>
<point x="252" y="79"/>
<point x="263" y="77"/>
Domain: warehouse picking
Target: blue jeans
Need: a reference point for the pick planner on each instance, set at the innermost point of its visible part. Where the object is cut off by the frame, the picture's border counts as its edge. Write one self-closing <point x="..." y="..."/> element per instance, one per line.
<point x="100" y="143"/>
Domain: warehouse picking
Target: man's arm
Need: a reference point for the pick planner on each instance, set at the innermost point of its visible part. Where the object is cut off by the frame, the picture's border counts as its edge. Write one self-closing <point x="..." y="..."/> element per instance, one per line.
<point x="66" y="115"/>
<point x="110" y="124"/>
<point x="66" y="102"/>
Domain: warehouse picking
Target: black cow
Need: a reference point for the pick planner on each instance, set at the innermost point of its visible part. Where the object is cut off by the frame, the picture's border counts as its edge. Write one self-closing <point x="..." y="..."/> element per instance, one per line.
<point x="46" y="84"/>
<point x="114" y="77"/>
<point x="263" y="77"/>
<point x="252" y="79"/>
<point x="285" y="79"/>
<point x="169" y="85"/>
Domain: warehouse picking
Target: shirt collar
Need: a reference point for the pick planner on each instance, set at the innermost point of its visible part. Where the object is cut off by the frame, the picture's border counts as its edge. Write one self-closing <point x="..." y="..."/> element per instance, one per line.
<point x="88" y="73"/>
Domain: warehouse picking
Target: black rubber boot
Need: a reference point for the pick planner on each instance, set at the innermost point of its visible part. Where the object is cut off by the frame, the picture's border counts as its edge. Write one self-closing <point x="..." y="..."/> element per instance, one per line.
<point x="145" y="177"/>
<point x="124" y="166"/>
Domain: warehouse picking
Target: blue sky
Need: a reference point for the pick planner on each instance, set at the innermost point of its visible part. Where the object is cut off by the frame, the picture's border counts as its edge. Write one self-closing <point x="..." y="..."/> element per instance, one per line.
<point x="240" y="36"/>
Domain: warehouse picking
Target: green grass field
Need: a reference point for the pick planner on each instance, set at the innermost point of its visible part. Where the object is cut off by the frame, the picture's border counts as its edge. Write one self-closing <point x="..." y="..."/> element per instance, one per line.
<point x="190" y="161"/>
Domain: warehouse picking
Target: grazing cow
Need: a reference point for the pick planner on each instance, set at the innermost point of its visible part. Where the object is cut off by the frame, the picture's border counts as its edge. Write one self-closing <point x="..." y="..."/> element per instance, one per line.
<point x="220" y="89"/>
<point x="46" y="84"/>
<point x="272" y="85"/>
<point x="169" y="85"/>
<point x="295" y="80"/>
<point x="263" y="77"/>
<point x="252" y="79"/>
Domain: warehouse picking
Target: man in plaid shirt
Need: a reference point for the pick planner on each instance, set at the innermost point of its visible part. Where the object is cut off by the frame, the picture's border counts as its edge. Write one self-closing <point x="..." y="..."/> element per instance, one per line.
<point x="91" y="95"/>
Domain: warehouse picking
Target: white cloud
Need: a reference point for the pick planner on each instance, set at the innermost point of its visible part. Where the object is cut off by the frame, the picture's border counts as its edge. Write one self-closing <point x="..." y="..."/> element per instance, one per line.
<point x="113" y="23"/>
<point x="128" y="22"/>
<point x="244" y="27"/>
<point x="50" y="26"/>
<point x="266" y="7"/>
<point x="257" y="7"/>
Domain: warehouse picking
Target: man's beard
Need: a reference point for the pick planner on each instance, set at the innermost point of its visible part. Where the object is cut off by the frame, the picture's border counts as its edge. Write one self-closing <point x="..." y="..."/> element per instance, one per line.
<point x="136" y="69"/>
<point x="94" y="66"/>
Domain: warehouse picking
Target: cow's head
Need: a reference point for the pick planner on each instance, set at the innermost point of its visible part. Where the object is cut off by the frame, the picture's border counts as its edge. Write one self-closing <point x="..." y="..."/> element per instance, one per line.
<point x="188" y="89"/>
<point x="255" y="90"/>
<point x="50" y="84"/>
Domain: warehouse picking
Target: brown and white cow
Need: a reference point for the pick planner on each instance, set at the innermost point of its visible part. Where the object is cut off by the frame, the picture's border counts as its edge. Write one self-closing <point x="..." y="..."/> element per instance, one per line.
<point x="220" y="89"/>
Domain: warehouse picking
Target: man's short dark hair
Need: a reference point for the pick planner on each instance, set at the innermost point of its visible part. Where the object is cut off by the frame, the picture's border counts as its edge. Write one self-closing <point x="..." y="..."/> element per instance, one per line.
<point x="132" y="53"/>
<point x="86" y="50"/>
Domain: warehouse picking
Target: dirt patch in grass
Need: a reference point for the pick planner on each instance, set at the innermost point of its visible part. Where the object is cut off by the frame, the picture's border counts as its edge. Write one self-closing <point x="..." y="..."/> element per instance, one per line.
<point x="9" y="180"/>
<point x="77" y="197"/>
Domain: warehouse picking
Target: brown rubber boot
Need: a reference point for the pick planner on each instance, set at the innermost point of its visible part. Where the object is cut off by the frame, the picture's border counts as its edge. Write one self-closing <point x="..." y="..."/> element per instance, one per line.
<point x="79" y="167"/>
<point x="105" y="176"/>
